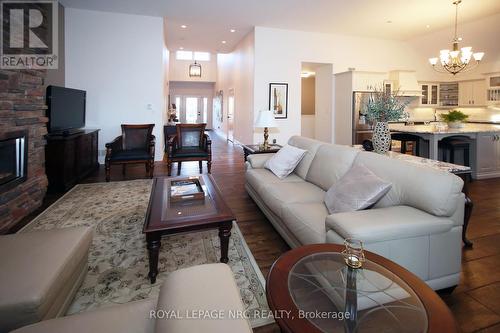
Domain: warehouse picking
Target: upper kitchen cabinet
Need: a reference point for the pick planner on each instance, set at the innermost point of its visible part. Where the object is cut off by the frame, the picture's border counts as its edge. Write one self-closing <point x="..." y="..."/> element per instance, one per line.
<point x="472" y="93"/>
<point x="430" y="94"/>
<point x="368" y="81"/>
<point x="405" y="83"/>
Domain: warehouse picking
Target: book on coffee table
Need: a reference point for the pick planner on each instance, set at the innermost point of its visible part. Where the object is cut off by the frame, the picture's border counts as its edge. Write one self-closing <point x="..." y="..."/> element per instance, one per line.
<point x="186" y="189"/>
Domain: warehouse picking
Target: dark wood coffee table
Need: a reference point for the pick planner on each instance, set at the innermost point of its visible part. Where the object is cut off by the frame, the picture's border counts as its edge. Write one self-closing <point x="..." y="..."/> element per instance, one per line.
<point x="379" y="297"/>
<point x="165" y="217"/>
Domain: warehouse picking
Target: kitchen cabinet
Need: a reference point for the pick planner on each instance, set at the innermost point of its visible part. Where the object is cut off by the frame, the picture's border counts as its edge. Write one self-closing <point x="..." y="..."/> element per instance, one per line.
<point x="488" y="155"/>
<point x="368" y="81"/>
<point x="472" y="93"/>
<point x="430" y="94"/>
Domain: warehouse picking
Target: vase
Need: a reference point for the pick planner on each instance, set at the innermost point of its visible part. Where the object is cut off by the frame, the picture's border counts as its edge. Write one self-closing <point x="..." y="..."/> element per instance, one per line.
<point x="455" y="124"/>
<point x="381" y="137"/>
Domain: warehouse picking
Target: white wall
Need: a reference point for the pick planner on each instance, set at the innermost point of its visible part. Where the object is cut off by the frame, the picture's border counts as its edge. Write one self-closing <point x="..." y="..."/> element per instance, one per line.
<point x="279" y="54"/>
<point x="119" y="60"/>
<point x="196" y="89"/>
<point x="236" y="71"/>
<point x="324" y="97"/>
<point x="308" y="124"/>
<point x="179" y="69"/>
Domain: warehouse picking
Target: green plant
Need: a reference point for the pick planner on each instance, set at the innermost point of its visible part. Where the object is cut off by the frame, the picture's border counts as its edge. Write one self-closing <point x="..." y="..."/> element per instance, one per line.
<point x="386" y="106"/>
<point x="453" y="115"/>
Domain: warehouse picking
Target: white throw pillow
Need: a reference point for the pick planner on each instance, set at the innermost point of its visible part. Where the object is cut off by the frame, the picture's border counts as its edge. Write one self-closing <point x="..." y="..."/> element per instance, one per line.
<point x="285" y="160"/>
<point x="358" y="189"/>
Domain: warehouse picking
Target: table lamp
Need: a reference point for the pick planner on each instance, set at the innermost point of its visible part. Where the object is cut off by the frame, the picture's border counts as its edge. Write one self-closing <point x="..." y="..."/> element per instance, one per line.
<point x="265" y="119"/>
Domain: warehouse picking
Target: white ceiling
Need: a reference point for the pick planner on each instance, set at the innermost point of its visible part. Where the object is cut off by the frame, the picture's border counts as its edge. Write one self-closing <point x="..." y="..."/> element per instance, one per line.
<point x="209" y="21"/>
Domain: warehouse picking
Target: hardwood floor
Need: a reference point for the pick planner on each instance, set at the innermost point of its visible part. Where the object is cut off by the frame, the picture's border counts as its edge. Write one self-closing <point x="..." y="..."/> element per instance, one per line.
<point x="475" y="302"/>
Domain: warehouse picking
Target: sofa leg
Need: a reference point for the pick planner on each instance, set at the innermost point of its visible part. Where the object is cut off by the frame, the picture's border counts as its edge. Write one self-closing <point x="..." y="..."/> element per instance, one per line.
<point x="108" y="171"/>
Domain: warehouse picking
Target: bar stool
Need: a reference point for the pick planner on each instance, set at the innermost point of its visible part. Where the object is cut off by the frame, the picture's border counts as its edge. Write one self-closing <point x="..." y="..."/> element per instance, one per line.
<point x="404" y="138"/>
<point x="453" y="144"/>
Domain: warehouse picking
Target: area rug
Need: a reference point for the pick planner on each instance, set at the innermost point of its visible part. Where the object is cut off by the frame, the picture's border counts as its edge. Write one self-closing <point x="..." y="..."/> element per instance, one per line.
<point x="118" y="259"/>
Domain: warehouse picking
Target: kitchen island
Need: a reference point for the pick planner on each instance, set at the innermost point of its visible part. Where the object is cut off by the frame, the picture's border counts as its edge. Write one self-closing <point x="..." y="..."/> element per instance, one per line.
<point x="485" y="147"/>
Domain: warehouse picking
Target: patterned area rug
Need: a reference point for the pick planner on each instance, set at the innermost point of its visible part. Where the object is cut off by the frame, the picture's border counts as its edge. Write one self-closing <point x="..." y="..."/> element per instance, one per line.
<point x="118" y="259"/>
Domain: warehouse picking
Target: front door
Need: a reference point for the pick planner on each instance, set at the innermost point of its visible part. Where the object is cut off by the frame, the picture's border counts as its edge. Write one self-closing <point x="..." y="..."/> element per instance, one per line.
<point x="192" y="109"/>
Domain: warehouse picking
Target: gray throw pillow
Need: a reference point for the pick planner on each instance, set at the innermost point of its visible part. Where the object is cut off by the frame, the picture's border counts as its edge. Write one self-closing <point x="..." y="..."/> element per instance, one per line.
<point x="358" y="189"/>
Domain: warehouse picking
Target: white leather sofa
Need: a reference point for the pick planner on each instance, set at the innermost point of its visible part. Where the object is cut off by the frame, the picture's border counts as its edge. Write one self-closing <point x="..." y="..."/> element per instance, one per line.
<point x="190" y="301"/>
<point x="417" y="224"/>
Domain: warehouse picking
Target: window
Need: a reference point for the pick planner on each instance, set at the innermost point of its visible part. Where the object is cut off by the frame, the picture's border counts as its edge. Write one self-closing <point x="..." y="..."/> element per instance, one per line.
<point x="184" y="55"/>
<point x="202" y="56"/>
<point x="190" y="55"/>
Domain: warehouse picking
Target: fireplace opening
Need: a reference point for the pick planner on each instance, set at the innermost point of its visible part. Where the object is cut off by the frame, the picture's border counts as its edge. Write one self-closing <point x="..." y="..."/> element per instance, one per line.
<point x="13" y="159"/>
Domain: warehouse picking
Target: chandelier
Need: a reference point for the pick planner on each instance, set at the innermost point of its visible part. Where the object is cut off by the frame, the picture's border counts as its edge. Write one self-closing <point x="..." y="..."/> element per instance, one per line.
<point x="457" y="60"/>
<point x="195" y="70"/>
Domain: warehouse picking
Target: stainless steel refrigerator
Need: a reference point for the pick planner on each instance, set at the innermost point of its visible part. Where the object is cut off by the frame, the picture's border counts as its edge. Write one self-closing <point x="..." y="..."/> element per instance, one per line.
<point x="362" y="129"/>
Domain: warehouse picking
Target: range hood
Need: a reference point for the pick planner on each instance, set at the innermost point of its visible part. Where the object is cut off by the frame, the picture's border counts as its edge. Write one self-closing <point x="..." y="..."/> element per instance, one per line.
<point x="405" y="82"/>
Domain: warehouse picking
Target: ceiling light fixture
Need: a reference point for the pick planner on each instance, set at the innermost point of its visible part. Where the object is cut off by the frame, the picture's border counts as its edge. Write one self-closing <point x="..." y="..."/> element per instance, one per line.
<point x="181" y="48"/>
<point x="184" y="26"/>
<point x="195" y="70"/>
<point x="223" y="42"/>
<point x="232" y="30"/>
<point x="428" y="26"/>
<point x="306" y="74"/>
<point x="457" y="60"/>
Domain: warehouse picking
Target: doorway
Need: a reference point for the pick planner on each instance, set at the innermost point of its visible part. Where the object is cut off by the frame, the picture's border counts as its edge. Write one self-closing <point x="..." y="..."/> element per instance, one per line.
<point x="230" y="116"/>
<point x="192" y="109"/>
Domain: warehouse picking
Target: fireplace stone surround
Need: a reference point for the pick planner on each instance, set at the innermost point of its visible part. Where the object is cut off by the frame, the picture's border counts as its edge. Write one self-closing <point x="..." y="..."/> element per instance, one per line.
<point x="22" y="108"/>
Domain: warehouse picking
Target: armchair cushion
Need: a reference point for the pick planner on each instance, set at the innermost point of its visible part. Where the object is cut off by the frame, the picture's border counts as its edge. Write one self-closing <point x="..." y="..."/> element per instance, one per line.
<point x="131" y="155"/>
<point x="382" y="224"/>
<point x="190" y="152"/>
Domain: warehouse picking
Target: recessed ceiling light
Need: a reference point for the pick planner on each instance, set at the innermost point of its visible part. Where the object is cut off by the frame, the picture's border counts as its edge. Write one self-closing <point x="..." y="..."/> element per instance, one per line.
<point x="184" y="26"/>
<point x="181" y="48"/>
<point x="223" y="42"/>
<point x="233" y="30"/>
<point x="428" y="26"/>
<point x="460" y="39"/>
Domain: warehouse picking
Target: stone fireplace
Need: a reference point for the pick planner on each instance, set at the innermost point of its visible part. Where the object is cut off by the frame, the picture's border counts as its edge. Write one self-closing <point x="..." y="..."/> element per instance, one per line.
<point x="23" y="182"/>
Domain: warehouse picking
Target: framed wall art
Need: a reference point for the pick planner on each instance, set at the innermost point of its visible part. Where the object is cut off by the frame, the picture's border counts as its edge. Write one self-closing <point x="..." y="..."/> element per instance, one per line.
<point x="278" y="99"/>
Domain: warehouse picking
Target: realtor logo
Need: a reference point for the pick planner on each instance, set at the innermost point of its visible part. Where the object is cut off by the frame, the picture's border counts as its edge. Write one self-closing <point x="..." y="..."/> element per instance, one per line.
<point x="29" y="34"/>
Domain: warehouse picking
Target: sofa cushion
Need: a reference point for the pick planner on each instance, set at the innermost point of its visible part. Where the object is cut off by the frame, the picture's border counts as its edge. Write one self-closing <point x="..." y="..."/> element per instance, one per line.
<point x="306" y="221"/>
<point x="330" y="163"/>
<point x="263" y="177"/>
<point x="436" y="192"/>
<point x="382" y="224"/>
<point x="35" y="268"/>
<point x="207" y="288"/>
<point x="358" y="189"/>
<point x="258" y="161"/>
<point x="307" y="144"/>
<point x="128" y="317"/>
<point x="279" y="194"/>
<point x="285" y="161"/>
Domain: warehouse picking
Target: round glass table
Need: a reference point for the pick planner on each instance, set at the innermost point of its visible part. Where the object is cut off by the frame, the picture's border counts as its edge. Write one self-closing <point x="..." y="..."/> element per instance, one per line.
<point x="311" y="289"/>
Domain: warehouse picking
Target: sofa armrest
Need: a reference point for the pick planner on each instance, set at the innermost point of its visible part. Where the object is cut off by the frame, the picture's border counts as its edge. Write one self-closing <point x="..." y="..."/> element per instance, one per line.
<point x="389" y="223"/>
<point x="257" y="161"/>
<point x="207" y="288"/>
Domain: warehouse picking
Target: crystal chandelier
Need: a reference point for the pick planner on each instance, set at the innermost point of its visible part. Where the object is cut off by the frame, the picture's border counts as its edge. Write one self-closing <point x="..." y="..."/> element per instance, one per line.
<point x="457" y="60"/>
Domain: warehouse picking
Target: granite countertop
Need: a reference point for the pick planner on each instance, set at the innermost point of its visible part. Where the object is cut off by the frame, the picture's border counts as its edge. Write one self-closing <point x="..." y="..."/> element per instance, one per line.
<point x="425" y="162"/>
<point x="433" y="128"/>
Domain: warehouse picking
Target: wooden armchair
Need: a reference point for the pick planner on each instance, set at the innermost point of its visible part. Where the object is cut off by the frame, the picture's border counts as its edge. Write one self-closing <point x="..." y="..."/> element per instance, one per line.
<point x="135" y="145"/>
<point x="189" y="144"/>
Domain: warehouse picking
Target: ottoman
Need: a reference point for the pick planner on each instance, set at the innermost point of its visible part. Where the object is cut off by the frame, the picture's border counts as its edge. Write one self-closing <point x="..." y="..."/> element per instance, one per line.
<point x="40" y="274"/>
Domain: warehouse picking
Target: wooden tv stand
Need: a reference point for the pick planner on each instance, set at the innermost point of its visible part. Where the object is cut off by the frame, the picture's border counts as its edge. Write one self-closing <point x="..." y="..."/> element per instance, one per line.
<point x="70" y="158"/>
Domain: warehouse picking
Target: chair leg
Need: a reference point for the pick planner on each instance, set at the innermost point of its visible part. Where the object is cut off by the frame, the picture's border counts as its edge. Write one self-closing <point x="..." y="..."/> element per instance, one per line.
<point x="179" y="165"/>
<point x="151" y="168"/>
<point x="200" y="165"/>
<point x="123" y="169"/>
<point x="108" y="170"/>
<point x="209" y="166"/>
<point x="169" y="168"/>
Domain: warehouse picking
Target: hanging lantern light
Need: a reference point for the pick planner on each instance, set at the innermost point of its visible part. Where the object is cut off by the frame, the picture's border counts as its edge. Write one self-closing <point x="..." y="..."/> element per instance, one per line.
<point x="195" y="70"/>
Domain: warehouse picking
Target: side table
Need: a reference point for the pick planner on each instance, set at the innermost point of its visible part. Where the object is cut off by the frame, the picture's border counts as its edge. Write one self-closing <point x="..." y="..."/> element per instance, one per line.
<point x="255" y="149"/>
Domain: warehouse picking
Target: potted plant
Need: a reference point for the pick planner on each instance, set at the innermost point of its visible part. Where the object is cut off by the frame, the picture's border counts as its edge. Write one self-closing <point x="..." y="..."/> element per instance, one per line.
<point x="382" y="107"/>
<point x="454" y="118"/>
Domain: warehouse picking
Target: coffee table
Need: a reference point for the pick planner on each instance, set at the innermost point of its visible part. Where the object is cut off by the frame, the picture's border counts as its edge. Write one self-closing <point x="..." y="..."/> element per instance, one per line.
<point x="256" y="149"/>
<point x="311" y="289"/>
<point x="165" y="217"/>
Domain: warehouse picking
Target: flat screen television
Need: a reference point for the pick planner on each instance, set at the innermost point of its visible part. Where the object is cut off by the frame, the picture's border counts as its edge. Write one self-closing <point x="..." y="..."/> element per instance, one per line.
<point x="66" y="110"/>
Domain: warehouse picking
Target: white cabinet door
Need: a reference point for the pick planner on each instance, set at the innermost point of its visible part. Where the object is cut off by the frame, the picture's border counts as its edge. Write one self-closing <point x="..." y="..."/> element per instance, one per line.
<point x="478" y="92"/>
<point x="464" y="93"/>
<point x="487" y="152"/>
<point x="430" y="94"/>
